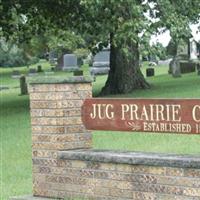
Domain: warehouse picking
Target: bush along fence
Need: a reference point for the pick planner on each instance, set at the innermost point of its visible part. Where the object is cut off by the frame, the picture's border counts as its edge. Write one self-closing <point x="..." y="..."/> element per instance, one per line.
<point x="65" y="165"/>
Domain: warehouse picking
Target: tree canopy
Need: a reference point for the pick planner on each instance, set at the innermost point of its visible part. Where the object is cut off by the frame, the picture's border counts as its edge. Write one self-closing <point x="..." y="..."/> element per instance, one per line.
<point x="122" y="24"/>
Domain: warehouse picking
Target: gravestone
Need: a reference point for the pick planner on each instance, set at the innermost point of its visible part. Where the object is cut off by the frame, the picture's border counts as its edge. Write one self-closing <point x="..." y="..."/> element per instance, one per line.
<point x="198" y="66"/>
<point x="32" y="72"/>
<point x="39" y="69"/>
<point x="70" y="62"/>
<point x="170" y="67"/>
<point x="150" y="72"/>
<point x="174" y="63"/>
<point x="23" y="85"/>
<point x="175" y="68"/>
<point x="152" y="64"/>
<point x="3" y="87"/>
<point x="78" y="73"/>
<point x="198" y="69"/>
<point x="187" y="67"/>
<point x="101" y="64"/>
<point x="15" y="74"/>
<point x="193" y="49"/>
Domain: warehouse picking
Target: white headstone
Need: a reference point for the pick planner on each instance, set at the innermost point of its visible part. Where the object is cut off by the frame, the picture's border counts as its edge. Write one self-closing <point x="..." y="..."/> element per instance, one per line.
<point x="193" y="49"/>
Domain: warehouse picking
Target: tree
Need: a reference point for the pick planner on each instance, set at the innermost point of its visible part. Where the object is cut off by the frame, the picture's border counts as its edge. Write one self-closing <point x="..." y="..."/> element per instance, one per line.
<point x="182" y="14"/>
<point x="156" y="51"/>
<point x="12" y="55"/>
<point x="64" y="40"/>
<point x="177" y="16"/>
<point x="119" y="23"/>
<point x="120" y="27"/>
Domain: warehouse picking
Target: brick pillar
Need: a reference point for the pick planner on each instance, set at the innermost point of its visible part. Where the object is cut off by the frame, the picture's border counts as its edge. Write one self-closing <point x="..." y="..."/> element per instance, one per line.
<point x="56" y="125"/>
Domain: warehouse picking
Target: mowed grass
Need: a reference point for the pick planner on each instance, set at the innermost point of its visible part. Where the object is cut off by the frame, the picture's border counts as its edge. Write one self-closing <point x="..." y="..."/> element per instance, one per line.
<point x="15" y="139"/>
<point x="162" y="86"/>
<point x="15" y="131"/>
<point x="5" y="73"/>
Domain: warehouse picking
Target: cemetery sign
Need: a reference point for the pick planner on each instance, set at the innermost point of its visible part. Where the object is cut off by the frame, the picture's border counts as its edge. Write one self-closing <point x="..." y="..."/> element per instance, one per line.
<point x="143" y="115"/>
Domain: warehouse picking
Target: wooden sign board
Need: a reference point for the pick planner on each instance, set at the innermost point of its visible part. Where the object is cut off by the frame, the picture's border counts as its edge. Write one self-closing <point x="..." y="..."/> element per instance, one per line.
<point x="143" y="115"/>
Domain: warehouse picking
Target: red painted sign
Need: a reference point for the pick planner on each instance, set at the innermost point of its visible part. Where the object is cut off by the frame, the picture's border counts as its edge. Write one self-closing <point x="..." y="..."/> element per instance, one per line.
<point x="143" y="115"/>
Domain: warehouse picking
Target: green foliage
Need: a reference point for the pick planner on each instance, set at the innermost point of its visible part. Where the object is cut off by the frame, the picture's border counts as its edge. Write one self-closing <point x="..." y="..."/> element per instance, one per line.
<point x="124" y="24"/>
<point x="157" y="51"/>
<point x="94" y="19"/>
<point x="13" y="56"/>
<point x="58" y="41"/>
<point x="171" y="48"/>
<point x="176" y="16"/>
<point x="37" y="46"/>
<point x="63" y="41"/>
<point x="160" y="51"/>
<point x="82" y="53"/>
<point x="97" y="19"/>
<point x="175" y="47"/>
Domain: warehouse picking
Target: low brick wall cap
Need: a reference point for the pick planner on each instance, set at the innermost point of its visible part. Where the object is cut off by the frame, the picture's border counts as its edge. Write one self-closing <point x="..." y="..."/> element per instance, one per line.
<point x="133" y="158"/>
<point x="59" y="79"/>
<point x="30" y="197"/>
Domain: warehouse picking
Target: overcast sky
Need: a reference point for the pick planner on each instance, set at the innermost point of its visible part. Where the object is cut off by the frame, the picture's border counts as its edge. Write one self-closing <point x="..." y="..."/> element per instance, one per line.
<point x="165" y="37"/>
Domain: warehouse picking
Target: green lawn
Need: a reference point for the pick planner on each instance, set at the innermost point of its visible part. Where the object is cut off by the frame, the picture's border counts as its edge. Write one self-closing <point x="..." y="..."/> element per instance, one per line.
<point x="5" y="73"/>
<point x="162" y="86"/>
<point x="15" y="140"/>
<point x="15" y="134"/>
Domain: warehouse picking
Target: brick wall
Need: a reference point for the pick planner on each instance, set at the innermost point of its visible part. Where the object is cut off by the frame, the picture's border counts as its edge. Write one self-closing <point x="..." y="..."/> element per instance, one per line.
<point x="56" y="124"/>
<point x="57" y="131"/>
<point x="98" y="180"/>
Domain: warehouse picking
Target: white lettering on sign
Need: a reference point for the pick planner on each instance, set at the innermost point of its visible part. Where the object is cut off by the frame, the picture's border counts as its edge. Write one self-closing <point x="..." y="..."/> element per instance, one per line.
<point x="150" y="115"/>
<point x="196" y="113"/>
<point x="102" y="111"/>
<point x="167" y="127"/>
<point x="157" y="112"/>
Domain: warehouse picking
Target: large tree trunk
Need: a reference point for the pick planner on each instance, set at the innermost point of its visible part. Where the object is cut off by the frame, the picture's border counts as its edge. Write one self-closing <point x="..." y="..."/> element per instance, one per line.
<point x="125" y="74"/>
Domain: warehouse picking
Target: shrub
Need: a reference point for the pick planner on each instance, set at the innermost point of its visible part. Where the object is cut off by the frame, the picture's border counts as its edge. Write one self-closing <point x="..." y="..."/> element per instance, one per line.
<point x="82" y="53"/>
<point x="12" y="56"/>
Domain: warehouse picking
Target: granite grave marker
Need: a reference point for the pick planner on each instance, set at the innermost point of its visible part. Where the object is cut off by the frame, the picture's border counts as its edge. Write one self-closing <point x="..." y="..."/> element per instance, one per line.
<point x="70" y="62"/>
<point x="101" y="64"/>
